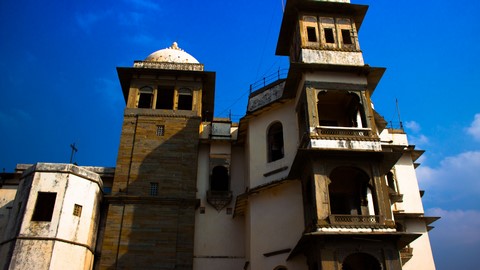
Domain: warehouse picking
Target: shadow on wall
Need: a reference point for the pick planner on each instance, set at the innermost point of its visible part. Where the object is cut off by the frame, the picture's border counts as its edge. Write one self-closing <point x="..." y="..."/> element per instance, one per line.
<point x="150" y="223"/>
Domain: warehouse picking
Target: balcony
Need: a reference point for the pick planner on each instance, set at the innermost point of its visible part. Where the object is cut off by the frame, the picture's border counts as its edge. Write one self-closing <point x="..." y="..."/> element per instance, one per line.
<point x="354" y="220"/>
<point x="351" y="138"/>
<point x="406" y="254"/>
<point x="219" y="199"/>
<point x="340" y="132"/>
<point x="395" y="197"/>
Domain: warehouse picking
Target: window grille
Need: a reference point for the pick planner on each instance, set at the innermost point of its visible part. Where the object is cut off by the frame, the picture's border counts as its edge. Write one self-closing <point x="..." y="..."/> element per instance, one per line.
<point x="153" y="189"/>
<point x="77" y="210"/>
<point x="160" y="130"/>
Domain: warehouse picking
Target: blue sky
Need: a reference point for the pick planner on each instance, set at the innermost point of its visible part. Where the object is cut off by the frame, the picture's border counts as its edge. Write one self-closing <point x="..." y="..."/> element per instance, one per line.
<point x="58" y="83"/>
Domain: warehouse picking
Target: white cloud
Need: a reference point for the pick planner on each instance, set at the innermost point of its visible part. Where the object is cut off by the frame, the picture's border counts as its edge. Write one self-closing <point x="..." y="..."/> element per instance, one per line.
<point x="474" y="128"/>
<point x="414" y="137"/>
<point x="455" y="180"/>
<point x="456" y="238"/>
<point x="419" y="139"/>
<point x="413" y="126"/>
<point x="457" y="227"/>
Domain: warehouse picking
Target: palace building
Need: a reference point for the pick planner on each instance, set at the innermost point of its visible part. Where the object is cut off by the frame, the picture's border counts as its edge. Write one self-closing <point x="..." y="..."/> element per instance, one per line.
<point x="310" y="178"/>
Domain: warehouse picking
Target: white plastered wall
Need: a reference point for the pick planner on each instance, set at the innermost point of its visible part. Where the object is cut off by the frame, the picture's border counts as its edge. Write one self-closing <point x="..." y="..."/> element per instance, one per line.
<point x="219" y="238"/>
<point x="257" y="144"/>
<point x="65" y="235"/>
<point x="275" y="220"/>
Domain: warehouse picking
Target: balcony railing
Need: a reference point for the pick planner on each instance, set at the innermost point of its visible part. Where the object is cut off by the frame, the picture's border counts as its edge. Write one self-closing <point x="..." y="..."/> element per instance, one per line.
<point x="219" y="199"/>
<point x="406" y="254"/>
<point x="354" y="220"/>
<point x="344" y="131"/>
<point x="394" y="196"/>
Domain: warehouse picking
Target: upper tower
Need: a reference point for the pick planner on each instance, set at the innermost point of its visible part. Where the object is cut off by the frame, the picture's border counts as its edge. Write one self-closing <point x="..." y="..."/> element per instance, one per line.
<point x="169" y="79"/>
<point x="322" y="32"/>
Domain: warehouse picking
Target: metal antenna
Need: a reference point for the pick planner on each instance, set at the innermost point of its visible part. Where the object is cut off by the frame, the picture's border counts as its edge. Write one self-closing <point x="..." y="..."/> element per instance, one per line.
<point x="74" y="150"/>
<point x="398" y="113"/>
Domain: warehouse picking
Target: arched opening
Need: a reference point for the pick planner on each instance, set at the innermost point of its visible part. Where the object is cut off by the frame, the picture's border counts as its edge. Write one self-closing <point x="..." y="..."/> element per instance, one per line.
<point x="275" y="142"/>
<point x="361" y="261"/>
<point x="340" y="108"/>
<point x="185" y="99"/>
<point x="145" y="97"/>
<point x="350" y="192"/>
<point x="219" y="179"/>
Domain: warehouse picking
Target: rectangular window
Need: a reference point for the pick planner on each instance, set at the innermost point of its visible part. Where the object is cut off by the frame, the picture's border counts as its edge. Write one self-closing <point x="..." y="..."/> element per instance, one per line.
<point x="153" y="189"/>
<point x="311" y="34"/>
<point x="77" y="210"/>
<point x="165" y="96"/>
<point x="329" y="38"/>
<point x="346" y="37"/>
<point x="160" y="130"/>
<point x="44" y="206"/>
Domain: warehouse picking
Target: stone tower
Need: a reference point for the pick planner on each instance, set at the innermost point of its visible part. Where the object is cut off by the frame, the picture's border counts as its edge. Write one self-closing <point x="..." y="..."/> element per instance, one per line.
<point x="341" y="160"/>
<point x="150" y="215"/>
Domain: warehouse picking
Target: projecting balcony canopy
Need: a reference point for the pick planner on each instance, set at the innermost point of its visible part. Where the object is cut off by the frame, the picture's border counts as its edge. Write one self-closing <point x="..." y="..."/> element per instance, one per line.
<point x="387" y="158"/>
<point x="402" y="239"/>
<point x="297" y="70"/>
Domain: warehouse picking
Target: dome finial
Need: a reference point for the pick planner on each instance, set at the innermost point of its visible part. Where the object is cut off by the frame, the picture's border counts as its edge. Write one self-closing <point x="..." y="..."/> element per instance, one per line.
<point x="175" y="46"/>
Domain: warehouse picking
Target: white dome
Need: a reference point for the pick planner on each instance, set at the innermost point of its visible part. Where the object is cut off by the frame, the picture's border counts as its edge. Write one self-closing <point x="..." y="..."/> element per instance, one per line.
<point x="172" y="54"/>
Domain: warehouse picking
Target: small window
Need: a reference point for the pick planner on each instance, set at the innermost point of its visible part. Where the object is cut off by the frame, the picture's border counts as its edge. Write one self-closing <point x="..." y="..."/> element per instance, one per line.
<point x="346" y="37"/>
<point x="44" y="206"/>
<point x="153" y="189"/>
<point x="165" y="96"/>
<point x="160" y="130"/>
<point x="275" y="142"/>
<point x="77" y="210"/>
<point x="311" y="34"/>
<point x="329" y="38"/>
<point x="185" y="99"/>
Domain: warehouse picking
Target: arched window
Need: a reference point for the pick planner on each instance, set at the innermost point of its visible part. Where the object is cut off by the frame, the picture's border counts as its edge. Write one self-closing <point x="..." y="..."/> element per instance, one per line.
<point x="219" y="179"/>
<point x="340" y="108"/>
<point x="275" y="142"/>
<point x="145" y="97"/>
<point x="350" y="193"/>
<point x="185" y="99"/>
<point x="361" y="261"/>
